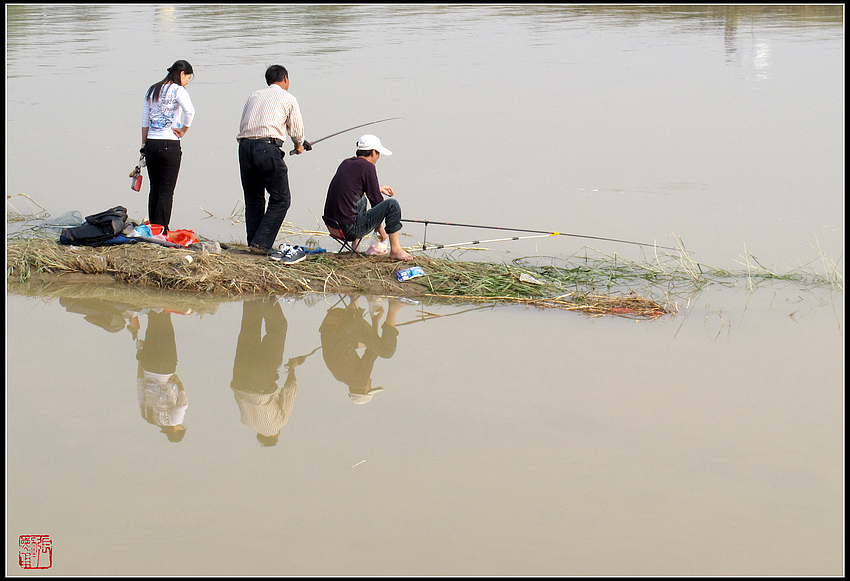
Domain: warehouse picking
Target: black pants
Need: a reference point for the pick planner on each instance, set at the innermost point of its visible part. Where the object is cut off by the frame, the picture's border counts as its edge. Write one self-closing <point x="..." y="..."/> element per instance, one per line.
<point x="262" y="169"/>
<point x="259" y="357"/>
<point x="159" y="351"/>
<point x="163" y="159"/>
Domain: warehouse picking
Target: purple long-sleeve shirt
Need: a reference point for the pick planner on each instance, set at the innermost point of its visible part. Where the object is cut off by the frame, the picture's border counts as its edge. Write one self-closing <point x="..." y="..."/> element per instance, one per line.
<point x="354" y="177"/>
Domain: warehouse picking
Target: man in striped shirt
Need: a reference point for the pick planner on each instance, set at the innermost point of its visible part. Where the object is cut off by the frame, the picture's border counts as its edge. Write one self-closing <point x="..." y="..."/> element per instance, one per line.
<point x="262" y="405"/>
<point x="269" y="115"/>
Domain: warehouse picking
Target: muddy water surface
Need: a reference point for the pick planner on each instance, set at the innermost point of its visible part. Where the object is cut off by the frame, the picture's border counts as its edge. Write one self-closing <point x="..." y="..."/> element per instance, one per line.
<point x="437" y="439"/>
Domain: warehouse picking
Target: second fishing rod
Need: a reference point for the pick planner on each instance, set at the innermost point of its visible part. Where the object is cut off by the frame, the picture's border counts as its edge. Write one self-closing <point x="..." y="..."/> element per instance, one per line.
<point x="544" y="232"/>
<point x="308" y="146"/>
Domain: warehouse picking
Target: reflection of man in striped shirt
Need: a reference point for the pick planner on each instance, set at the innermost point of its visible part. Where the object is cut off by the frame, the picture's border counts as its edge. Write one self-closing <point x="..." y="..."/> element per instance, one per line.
<point x="269" y="115"/>
<point x="262" y="405"/>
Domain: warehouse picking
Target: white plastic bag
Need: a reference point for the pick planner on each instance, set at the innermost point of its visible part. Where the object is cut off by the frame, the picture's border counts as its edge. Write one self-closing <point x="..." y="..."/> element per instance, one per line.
<point x="376" y="247"/>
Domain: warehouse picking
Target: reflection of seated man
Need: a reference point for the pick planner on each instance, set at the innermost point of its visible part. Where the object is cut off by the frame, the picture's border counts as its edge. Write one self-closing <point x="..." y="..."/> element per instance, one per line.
<point x="255" y="370"/>
<point x="162" y="399"/>
<point x="344" y="331"/>
<point x="105" y="314"/>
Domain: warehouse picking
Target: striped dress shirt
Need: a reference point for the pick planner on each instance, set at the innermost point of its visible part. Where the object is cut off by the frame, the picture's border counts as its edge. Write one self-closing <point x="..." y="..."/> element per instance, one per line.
<point x="271" y="112"/>
<point x="267" y="413"/>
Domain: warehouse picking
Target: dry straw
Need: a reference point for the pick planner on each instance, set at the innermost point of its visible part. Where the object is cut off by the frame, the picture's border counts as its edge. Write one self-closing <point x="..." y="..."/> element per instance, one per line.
<point x="237" y="271"/>
<point x="587" y="282"/>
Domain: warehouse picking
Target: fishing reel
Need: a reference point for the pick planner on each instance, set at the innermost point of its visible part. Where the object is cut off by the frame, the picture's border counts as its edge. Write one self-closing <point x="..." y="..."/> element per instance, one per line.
<point x="307" y="147"/>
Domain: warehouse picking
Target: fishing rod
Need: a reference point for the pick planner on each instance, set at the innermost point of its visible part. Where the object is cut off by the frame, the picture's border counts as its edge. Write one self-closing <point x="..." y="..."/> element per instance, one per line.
<point x="299" y="360"/>
<point x="426" y="222"/>
<point x="429" y="316"/>
<point x="439" y="246"/>
<point x="308" y="145"/>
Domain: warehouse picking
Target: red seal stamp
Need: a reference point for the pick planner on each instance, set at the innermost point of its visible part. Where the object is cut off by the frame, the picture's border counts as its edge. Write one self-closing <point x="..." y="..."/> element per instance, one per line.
<point x="35" y="552"/>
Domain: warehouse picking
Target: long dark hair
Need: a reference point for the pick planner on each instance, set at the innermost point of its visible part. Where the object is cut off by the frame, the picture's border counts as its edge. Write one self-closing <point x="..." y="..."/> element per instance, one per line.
<point x="173" y="76"/>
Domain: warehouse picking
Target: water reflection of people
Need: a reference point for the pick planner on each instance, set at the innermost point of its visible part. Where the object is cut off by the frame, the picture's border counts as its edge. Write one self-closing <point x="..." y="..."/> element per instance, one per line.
<point x="162" y="398"/>
<point x="109" y="315"/>
<point x="345" y="330"/>
<point x="161" y="395"/>
<point x="256" y="367"/>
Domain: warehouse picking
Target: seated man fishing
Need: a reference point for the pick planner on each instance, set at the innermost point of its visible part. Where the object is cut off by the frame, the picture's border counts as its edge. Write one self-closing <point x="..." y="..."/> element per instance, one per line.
<point x="346" y="203"/>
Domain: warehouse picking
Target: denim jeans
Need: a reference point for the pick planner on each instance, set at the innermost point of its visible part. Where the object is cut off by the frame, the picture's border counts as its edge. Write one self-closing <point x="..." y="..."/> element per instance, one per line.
<point x="163" y="160"/>
<point x="388" y="211"/>
<point x="262" y="169"/>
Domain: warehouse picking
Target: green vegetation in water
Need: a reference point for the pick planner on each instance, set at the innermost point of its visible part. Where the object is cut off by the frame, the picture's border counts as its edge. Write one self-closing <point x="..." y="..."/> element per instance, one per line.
<point x="672" y="273"/>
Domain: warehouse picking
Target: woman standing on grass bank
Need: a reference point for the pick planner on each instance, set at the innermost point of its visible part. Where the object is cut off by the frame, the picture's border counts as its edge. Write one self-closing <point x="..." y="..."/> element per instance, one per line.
<point x="166" y="116"/>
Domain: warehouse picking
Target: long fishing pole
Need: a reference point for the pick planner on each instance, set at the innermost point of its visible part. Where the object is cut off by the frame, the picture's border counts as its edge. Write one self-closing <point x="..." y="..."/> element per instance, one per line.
<point x="308" y="145"/>
<point x="424" y="246"/>
<point x="426" y="222"/>
<point x="429" y="316"/>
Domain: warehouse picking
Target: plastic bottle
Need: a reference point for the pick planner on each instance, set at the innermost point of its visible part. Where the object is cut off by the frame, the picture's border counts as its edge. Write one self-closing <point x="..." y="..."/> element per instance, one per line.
<point x="136" y="175"/>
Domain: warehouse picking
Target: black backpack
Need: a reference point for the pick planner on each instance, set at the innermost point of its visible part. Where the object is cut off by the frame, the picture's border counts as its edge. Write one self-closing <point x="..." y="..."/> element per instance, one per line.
<point x="98" y="228"/>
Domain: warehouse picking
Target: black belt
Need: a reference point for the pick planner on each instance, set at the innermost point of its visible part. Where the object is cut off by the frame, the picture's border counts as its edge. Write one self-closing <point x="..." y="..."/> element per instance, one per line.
<point x="278" y="142"/>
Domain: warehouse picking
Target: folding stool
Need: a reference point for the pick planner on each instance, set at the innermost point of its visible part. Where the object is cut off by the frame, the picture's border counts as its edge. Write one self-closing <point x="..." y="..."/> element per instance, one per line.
<point x="335" y="230"/>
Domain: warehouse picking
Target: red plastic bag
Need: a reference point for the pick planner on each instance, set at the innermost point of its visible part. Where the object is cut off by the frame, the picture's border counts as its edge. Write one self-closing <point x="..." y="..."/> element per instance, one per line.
<point x="181" y="237"/>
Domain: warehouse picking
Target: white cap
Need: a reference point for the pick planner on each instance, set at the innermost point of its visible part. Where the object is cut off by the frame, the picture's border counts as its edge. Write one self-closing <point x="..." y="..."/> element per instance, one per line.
<point x="369" y="141"/>
<point x="361" y="398"/>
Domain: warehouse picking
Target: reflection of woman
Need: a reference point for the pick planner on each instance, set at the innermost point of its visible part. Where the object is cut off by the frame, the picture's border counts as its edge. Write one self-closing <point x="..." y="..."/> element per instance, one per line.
<point x="162" y="399"/>
<point x="255" y="370"/>
<point x="165" y="103"/>
<point x="344" y="331"/>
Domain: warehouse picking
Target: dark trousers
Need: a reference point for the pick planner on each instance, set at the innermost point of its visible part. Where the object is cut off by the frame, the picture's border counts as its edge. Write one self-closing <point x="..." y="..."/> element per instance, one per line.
<point x="388" y="211"/>
<point x="159" y="350"/>
<point x="163" y="159"/>
<point x="259" y="357"/>
<point x="262" y="169"/>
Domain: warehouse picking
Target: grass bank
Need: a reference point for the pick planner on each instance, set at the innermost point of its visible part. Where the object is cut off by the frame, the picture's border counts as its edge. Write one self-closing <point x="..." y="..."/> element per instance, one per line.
<point x="237" y="271"/>
<point x="588" y="282"/>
